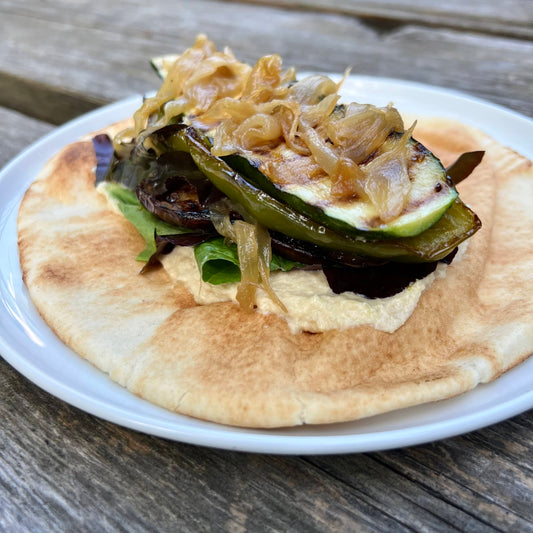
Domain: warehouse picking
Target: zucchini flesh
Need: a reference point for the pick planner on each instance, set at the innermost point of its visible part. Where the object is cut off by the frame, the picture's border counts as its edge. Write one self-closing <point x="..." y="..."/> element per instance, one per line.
<point x="162" y="64"/>
<point x="456" y="225"/>
<point x="432" y="193"/>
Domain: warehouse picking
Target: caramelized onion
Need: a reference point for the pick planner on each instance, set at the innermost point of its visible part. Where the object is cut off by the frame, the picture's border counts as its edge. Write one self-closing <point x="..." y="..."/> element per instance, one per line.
<point x="247" y="109"/>
<point x="257" y="131"/>
<point x="323" y="154"/>
<point x="298" y="169"/>
<point x="387" y="181"/>
<point x="319" y="113"/>
<point x="263" y="80"/>
<point x="255" y="253"/>
<point x="311" y="90"/>
<point x="348" y="181"/>
<point x="363" y="129"/>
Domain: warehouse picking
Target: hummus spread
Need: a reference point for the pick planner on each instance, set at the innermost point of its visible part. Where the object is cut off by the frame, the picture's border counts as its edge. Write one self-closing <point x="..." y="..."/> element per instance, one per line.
<point x="311" y="304"/>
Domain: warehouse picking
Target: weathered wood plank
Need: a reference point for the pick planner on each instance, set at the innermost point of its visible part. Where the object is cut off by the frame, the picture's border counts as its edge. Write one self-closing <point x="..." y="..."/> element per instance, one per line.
<point x="513" y="18"/>
<point x="472" y="474"/>
<point x="402" y="498"/>
<point x="64" y="470"/>
<point x="47" y="103"/>
<point x="18" y="131"/>
<point x="512" y="441"/>
<point x="109" y="45"/>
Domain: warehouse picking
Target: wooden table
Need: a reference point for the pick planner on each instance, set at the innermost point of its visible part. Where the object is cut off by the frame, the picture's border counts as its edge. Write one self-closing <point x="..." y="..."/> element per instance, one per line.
<point x="64" y="470"/>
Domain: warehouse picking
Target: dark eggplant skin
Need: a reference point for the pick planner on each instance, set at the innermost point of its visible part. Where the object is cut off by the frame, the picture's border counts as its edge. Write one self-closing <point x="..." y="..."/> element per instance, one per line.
<point x="313" y="255"/>
<point x="177" y="192"/>
<point x="177" y="202"/>
<point x="464" y="166"/>
<point x="379" y="281"/>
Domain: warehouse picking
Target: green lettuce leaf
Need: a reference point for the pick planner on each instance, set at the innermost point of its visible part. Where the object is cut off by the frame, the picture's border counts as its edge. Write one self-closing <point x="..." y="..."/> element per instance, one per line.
<point x="219" y="263"/>
<point x="145" y="223"/>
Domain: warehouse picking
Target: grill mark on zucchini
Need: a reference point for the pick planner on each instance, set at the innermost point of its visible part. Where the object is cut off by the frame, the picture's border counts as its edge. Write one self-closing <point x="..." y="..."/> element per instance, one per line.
<point x="336" y="214"/>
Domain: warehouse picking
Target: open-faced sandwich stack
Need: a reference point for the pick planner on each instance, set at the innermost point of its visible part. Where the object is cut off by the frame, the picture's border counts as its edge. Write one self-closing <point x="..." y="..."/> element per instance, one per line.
<point x="304" y="259"/>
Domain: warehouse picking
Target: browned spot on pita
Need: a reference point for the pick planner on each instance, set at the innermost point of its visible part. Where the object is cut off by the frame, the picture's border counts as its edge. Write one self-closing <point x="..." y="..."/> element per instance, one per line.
<point x="58" y="274"/>
<point x="447" y="143"/>
<point x="73" y="172"/>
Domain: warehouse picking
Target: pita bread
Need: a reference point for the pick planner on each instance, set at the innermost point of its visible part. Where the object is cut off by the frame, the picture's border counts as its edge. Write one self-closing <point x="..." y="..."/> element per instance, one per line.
<point x="221" y="364"/>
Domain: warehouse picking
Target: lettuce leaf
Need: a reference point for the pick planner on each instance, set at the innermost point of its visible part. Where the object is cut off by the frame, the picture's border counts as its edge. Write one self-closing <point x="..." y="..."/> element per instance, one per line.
<point x="217" y="261"/>
<point x="145" y="223"/>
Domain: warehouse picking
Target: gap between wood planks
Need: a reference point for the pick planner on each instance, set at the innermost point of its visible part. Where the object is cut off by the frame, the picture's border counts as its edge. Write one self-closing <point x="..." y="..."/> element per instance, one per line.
<point x="385" y="18"/>
<point x="42" y="101"/>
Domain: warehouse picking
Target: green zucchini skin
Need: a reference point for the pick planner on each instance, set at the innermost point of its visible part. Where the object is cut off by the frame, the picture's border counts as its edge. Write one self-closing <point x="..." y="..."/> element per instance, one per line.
<point x="456" y="225"/>
<point x="435" y="192"/>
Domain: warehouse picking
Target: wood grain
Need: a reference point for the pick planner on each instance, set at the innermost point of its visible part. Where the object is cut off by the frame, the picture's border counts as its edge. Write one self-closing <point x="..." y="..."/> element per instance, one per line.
<point x="18" y="131"/>
<point x="109" y="46"/>
<point x="508" y="17"/>
<point x="42" y="102"/>
<point x="64" y="470"/>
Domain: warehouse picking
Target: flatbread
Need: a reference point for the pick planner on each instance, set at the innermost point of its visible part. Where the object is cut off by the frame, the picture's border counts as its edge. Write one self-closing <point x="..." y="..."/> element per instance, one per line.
<point x="221" y="364"/>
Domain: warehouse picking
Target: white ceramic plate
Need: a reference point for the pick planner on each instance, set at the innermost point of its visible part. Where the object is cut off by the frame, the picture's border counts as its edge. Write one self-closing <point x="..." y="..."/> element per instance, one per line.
<point x="31" y="347"/>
